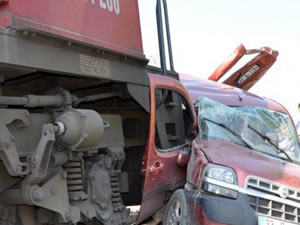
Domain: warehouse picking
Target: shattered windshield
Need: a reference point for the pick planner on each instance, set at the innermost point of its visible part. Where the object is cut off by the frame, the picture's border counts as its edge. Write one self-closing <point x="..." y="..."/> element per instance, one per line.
<point x="257" y="128"/>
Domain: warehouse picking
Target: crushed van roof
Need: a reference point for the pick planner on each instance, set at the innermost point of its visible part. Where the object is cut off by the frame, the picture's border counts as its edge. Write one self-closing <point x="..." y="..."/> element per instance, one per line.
<point x="225" y="94"/>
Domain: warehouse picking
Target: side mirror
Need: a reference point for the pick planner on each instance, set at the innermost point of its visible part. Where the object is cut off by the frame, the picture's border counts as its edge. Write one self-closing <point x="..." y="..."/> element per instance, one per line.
<point x="183" y="157"/>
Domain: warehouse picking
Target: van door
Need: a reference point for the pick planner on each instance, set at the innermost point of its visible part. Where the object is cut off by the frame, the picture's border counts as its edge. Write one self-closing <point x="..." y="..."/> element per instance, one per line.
<point x="171" y="123"/>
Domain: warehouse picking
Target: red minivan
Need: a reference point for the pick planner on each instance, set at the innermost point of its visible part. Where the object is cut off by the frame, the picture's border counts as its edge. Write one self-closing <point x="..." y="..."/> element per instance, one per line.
<point x="245" y="161"/>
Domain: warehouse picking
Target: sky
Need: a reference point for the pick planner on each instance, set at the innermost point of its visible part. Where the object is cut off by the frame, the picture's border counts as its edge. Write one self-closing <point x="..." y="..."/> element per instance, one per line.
<point x="205" y="33"/>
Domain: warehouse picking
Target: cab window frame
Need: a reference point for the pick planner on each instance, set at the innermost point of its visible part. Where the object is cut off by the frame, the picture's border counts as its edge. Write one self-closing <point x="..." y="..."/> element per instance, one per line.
<point x="186" y="116"/>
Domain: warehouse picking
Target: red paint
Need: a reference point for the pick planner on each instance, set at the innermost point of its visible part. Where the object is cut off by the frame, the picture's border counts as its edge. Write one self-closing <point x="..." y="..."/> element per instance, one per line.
<point x="238" y="53"/>
<point x="5" y="18"/>
<point x="195" y="166"/>
<point x="255" y="68"/>
<point x="183" y="159"/>
<point x="248" y="162"/>
<point x="160" y="168"/>
<point x="228" y="154"/>
<point x="263" y="62"/>
<point x="3" y="2"/>
<point x="244" y="161"/>
<point x="156" y="168"/>
<point x="81" y="20"/>
<point x="225" y="94"/>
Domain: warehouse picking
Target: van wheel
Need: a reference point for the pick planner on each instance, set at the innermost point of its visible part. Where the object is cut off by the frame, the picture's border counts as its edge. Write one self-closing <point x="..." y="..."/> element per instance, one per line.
<point x="177" y="212"/>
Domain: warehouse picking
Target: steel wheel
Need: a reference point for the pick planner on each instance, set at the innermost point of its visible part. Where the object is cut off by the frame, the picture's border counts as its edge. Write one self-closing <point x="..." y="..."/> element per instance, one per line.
<point x="176" y="210"/>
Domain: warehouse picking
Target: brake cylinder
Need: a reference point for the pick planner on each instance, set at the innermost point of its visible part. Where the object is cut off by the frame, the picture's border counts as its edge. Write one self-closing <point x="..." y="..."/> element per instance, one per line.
<point x="80" y="129"/>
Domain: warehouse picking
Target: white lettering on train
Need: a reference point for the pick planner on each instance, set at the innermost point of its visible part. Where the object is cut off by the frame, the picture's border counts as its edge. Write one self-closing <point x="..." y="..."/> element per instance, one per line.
<point x="102" y="4"/>
<point x="117" y="6"/>
<point x="110" y="5"/>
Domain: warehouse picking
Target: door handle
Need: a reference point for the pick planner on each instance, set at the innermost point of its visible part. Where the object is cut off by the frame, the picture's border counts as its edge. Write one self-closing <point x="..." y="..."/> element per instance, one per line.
<point x="156" y="168"/>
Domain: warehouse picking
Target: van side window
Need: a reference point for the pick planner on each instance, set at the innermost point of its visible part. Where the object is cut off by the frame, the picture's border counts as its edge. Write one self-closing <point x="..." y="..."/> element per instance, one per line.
<point x="173" y="119"/>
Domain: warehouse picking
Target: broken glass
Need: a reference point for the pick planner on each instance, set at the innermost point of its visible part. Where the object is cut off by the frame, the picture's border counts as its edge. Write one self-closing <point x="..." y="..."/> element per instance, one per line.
<point x="257" y="128"/>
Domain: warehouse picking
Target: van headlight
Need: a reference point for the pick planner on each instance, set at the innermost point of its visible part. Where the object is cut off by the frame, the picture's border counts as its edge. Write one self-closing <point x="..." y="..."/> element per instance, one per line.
<point x="220" y="180"/>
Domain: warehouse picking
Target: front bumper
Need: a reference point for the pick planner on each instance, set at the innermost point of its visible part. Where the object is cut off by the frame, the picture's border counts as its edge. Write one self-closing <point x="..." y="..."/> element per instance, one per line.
<point x="206" y="209"/>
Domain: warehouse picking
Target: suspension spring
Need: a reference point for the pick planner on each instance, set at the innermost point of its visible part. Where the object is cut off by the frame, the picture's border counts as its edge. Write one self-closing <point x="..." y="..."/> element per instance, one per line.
<point x="74" y="169"/>
<point x="116" y="195"/>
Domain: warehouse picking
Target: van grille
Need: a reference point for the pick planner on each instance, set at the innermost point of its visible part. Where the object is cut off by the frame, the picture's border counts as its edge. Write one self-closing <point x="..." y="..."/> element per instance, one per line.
<point x="267" y="199"/>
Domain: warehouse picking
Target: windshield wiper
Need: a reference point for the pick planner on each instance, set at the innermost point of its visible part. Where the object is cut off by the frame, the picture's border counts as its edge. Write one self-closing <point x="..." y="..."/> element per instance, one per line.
<point x="270" y="141"/>
<point x="231" y="131"/>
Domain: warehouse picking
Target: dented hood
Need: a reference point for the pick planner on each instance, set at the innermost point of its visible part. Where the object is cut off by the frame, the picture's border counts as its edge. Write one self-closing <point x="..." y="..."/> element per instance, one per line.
<point x="248" y="162"/>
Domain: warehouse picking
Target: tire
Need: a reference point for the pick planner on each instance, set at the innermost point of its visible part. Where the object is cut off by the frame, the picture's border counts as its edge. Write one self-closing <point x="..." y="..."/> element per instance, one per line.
<point x="177" y="211"/>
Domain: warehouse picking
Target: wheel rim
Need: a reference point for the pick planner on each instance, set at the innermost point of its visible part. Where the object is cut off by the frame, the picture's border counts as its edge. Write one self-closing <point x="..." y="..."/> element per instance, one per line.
<point x="174" y="214"/>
